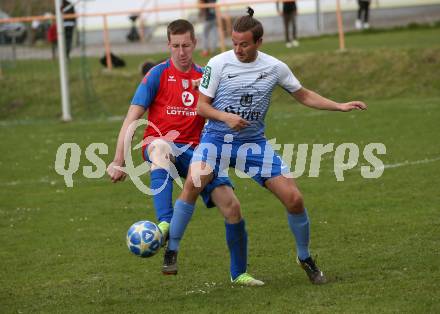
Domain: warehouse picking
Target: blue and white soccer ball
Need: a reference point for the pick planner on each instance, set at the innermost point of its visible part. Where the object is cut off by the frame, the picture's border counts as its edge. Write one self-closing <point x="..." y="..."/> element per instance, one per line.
<point x="144" y="238"/>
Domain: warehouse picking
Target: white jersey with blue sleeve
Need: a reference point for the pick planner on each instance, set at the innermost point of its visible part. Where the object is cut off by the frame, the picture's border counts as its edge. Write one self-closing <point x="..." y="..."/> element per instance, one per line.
<point x="244" y="89"/>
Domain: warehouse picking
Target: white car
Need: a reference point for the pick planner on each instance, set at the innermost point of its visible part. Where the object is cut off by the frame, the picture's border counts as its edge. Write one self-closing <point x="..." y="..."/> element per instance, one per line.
<point x="9" y="31"/>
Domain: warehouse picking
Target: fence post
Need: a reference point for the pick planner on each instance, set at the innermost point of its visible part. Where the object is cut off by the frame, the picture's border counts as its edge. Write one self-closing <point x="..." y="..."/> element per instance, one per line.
<point x="340" y="26"/>
<point x="64" y="73"/>
<point x="319" y="16"/>
<point x="107" y="44"/>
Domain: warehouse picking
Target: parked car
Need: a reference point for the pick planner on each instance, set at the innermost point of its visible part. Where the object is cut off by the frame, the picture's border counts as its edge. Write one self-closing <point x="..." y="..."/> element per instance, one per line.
<point x="9" y="31"/>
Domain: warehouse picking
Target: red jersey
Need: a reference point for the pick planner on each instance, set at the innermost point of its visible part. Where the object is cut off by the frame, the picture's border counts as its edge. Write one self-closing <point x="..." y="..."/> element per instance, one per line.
<point x="171" y="100"/>
<point x="51" y="34"/>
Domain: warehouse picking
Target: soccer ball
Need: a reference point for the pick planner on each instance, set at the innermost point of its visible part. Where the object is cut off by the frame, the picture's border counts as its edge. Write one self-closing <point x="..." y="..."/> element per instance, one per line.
<point x="144" y="238"/>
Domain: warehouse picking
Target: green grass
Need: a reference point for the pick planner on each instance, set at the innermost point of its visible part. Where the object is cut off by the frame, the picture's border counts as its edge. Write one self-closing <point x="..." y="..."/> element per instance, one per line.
<point x="63" y="249"/>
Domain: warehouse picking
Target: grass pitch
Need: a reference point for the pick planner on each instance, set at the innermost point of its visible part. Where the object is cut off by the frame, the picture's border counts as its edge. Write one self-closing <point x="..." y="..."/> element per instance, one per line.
<point x="63" y="249"/>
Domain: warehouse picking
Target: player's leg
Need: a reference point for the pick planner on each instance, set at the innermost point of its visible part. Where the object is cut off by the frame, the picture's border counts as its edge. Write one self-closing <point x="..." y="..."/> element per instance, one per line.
<point x="274" y="174"/>
<point x="286" y="190"/>
<point x="202" y="170"/>
<point x="288" y="193"/>
<point x="160" y="154"/>
<point x="236" y="235"/>
<point x="219" y="191"/>
<point x="199" y="175"/>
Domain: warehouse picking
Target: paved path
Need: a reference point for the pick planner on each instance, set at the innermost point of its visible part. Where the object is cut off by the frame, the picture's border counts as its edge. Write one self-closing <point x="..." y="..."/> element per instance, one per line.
<point x="380" y="17"/>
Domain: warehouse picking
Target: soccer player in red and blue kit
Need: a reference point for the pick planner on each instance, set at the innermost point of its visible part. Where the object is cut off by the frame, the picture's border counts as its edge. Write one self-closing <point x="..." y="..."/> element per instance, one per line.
<point x="169" y="93"/>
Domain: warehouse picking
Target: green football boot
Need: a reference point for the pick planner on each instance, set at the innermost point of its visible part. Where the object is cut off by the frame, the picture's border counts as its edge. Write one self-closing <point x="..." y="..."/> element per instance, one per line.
<point x="165" y="229"/>
<point x="247" y="280"/>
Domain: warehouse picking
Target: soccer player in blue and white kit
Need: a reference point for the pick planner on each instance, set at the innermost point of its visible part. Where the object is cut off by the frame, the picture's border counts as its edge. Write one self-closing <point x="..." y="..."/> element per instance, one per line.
<point x="235" y="95"/>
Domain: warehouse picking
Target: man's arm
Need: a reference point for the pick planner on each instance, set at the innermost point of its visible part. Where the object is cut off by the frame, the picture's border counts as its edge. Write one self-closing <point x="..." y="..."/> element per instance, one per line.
<point x="134" y="113"/>
<point x="314" y="100"/>
<point x="205" y="109"/>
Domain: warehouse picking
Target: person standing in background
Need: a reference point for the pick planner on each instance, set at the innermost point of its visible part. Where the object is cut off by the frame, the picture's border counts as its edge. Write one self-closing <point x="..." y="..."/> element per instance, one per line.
<point x="69" y="25"/>
<point x="209" y="28"/>
<point x="51" y="37"/>
<point x="289" y="13"/>
<point x="34" y="26"/>
<point x="363" y="14"/>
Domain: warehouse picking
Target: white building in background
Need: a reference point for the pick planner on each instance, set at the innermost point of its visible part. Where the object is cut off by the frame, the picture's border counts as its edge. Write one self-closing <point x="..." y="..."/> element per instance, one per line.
<point x="268" y="9"/>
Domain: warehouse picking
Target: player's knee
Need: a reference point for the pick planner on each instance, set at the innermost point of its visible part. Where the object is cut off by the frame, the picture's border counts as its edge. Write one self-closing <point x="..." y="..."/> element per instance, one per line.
<point x="232" y="211"/>
<point x="160" y="154"/>
<point x="295" y="203"/>
<point x="200" y="174"/>
<point x="191" y="185"/>
<point x="159" y="146"/>
<point x="190" y="191"/>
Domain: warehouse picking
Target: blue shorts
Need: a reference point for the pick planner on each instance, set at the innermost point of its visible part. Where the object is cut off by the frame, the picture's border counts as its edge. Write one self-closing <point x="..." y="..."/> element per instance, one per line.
<point x="256" y="159"/>
<point x="183" y="160"/>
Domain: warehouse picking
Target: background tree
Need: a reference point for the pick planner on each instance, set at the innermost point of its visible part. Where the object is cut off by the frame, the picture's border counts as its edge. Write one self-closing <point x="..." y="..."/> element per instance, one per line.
<point x="18" y="8"/>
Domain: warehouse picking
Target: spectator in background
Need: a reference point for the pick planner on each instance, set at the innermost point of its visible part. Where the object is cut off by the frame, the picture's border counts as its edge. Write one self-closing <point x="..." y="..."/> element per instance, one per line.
<point x="51" y="37"/>
<point x="34" y="27"/>
<point x="209" y="28"/>
<point x="289" y="13"/>
<point x="133" y="35"/>
<point x="363" y="14"/>
<point x="69" y="25"/>
<point x="148" y="65"/>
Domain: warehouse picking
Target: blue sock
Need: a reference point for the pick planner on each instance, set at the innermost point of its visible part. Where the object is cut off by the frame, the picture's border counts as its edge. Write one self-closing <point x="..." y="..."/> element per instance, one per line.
<point x="299" y="225"/>
<point x="236" y="237"/>
<point x="162" y="200"/>
<point x="181" y="217"/>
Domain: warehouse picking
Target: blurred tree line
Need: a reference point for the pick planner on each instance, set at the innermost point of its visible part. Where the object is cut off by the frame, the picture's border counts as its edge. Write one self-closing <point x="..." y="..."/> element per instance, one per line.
<point x="16" y="8"/>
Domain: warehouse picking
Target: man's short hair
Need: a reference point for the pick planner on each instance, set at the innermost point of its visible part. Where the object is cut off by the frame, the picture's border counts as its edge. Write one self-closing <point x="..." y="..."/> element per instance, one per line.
<point x="249" y="23"/>
<point x="179" y="27"/>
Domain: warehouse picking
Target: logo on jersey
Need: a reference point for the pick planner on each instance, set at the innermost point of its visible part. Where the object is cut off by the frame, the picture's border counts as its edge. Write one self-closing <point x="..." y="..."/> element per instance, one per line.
<point x="185" y="84"/>
<point x="187" y="98"/>
<point x="206" y="77"/>
<point x="262" y="76"/>
<point x="171" y="78"/>
<point x="246" y="113"/>
<point x="246" y="100"/>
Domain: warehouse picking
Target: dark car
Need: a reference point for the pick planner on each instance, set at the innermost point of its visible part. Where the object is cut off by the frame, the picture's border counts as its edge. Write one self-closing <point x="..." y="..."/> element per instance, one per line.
<point x="11" y="31"/>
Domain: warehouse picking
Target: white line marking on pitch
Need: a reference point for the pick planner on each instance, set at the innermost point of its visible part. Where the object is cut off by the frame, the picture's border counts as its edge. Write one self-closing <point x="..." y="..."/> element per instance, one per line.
<point x="55" y="182"/>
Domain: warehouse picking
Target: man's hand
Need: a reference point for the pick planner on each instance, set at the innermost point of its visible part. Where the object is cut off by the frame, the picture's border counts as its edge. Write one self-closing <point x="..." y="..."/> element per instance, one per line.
<point x="236" y="122"/>
<point x="115" y="174"/>
<point x="352" y="105"/>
